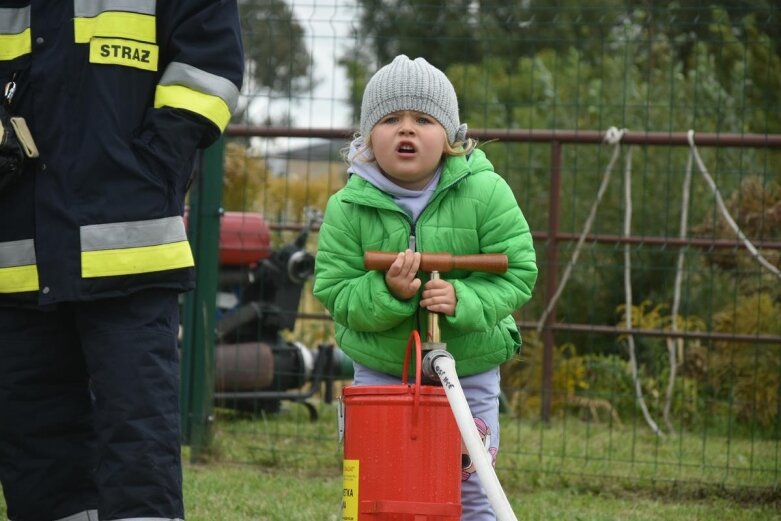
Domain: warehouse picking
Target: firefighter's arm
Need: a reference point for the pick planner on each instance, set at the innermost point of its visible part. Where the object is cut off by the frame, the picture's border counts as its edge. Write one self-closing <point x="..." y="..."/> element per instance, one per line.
<point x="201" y="70"/>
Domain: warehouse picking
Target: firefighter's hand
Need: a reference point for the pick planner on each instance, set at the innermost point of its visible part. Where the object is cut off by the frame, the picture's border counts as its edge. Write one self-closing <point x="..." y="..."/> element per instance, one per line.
<point x="401" y="277"/>
<point x="439" y="296"/>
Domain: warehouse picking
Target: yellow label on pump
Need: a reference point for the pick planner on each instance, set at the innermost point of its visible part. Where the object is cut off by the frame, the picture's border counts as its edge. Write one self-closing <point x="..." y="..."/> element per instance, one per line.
<point x="351" y="475"/>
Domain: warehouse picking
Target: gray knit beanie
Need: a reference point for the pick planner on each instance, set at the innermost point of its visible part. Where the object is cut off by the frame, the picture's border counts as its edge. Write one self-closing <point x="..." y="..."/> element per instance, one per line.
<point x="416" y="85"/>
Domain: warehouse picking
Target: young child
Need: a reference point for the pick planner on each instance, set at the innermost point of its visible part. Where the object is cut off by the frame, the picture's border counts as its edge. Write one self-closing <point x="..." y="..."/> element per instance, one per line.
<point x="417" y="184"/>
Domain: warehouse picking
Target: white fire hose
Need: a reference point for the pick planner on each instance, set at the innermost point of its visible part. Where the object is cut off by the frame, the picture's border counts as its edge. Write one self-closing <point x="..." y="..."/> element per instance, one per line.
<point x="440" y="364"/>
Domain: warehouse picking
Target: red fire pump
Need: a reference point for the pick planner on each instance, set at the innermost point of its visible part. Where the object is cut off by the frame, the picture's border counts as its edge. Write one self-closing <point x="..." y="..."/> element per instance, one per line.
<point x="259" y="291"/>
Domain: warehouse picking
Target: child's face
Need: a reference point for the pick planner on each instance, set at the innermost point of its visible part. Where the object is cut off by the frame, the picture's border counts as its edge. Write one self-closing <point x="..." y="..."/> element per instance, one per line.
<point x="408" y="147"/>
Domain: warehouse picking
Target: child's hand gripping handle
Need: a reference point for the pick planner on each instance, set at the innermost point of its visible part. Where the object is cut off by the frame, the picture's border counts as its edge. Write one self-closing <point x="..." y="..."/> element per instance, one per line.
<point x="442" y="262"/>
<point x="435" y="263"/>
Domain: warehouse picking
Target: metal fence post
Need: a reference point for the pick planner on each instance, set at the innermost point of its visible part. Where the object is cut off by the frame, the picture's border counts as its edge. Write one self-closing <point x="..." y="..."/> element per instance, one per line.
<point x="552" y="261"/>
<point x="198" y="315"/>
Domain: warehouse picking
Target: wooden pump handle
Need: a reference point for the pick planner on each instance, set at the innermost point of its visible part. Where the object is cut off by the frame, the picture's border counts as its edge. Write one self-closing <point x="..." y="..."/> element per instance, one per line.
<point x="442" y="262"/>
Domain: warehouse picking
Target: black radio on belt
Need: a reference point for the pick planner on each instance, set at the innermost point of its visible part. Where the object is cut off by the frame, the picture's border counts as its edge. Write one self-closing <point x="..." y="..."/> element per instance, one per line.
<point x="16" y="141"/>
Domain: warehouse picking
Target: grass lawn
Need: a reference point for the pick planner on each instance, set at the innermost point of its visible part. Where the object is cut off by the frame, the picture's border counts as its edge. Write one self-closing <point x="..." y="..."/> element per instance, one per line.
<point x="247" y="493"/>
<point x="282" y="467"/>
<point x="234" y="492"/>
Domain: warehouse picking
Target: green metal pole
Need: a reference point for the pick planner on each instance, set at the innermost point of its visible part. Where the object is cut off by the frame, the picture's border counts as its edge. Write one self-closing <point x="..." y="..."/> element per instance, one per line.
<point x="197" y="385"/>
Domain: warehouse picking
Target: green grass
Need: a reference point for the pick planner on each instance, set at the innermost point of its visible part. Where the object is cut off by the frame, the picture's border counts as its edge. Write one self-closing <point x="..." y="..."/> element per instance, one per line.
<point x="247" y="493"/>
<point x="239" y="492"/>
<point x="231" y="492"/>
<point x="634" y="454"/>
<point x="569" y="470"/>
<point x="532" y="451"/>
<point x="285" y="468"/>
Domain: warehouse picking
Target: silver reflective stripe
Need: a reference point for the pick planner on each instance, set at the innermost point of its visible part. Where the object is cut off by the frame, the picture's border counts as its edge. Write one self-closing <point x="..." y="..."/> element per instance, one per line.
<point x="148" y="519"/>
<point x="87" y="515"/>
<point x="14" y="21"/>
<point x="17" y="253"/>
<point x="134" y="234"/>
<point x="90" y="8"/>
<point x="178" y="73"/>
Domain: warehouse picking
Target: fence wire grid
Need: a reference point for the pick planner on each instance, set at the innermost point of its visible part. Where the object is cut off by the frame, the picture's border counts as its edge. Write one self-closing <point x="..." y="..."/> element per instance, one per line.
<point x="642" y="141"/>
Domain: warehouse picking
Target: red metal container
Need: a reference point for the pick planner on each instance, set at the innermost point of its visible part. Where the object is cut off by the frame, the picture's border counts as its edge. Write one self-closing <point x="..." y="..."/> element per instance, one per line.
<point x="244" y="239"/>
<point x="402" y="452"/>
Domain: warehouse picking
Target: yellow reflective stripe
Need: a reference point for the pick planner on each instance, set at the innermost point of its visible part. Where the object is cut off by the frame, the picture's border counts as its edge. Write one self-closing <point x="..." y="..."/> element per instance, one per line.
<point x="211" y="107"/>
<point x="15" y="45"/>
<point x="18" y="279"/>
<point x="133" y="261"/>
<point x="113" y="51"/>
<point x="116" y="24"/>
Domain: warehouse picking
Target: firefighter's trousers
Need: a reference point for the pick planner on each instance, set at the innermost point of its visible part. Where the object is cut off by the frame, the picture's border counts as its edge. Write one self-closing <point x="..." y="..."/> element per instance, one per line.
<point x="89" y="410"/>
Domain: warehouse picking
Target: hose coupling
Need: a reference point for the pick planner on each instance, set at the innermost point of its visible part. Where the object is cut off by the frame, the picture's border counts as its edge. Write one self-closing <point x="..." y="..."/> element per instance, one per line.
<point x="427" y="366"/>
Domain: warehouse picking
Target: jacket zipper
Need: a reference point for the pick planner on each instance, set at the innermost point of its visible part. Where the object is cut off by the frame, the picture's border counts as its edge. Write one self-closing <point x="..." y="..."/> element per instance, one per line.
<point x="413" y="245"/>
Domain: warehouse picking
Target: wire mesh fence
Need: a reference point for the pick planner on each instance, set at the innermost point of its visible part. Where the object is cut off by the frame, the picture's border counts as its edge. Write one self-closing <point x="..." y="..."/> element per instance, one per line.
<point x="642" y="143"/>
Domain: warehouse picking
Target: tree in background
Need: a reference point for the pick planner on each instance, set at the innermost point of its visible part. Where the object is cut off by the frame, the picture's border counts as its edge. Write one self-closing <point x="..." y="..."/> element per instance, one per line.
<point x="668" y="40"/>
<point x="278" y="62"/>
<point x="443" y="32"/>
<point x="278" y="66"/>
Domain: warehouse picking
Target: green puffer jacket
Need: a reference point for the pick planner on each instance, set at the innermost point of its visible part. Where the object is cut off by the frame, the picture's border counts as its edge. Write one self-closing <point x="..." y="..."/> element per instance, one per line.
<point x="472" y="211"/>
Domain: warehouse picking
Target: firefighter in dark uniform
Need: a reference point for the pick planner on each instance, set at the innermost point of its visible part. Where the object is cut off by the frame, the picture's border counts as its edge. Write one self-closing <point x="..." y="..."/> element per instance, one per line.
<point x="117" y="96"/>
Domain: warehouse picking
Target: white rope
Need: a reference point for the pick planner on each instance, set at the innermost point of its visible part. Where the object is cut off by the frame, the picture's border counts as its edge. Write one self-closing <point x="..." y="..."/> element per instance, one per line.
<point x="672" y="342"/>
<point x="725" y="213"/>
<point x="628" y="294"/>
<point x="612" y="136"/>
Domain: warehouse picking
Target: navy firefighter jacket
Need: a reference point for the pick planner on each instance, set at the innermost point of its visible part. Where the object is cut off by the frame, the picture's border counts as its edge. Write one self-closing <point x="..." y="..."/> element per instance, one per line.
<point x="118" y="95"/>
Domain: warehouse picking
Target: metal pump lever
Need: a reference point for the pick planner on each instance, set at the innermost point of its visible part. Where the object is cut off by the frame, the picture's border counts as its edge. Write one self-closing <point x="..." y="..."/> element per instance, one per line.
<point x="433" y="347"/>
<point x="433" y="338"/>
<point x="435" y="263"/>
